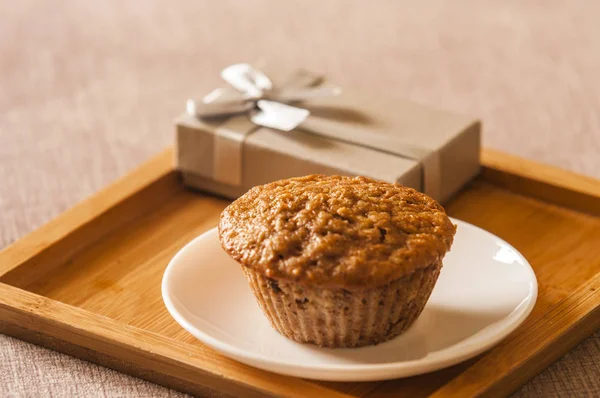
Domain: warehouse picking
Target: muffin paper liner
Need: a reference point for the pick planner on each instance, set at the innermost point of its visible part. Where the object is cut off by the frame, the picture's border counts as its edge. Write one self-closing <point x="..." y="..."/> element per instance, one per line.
<point x="336" y="317"/>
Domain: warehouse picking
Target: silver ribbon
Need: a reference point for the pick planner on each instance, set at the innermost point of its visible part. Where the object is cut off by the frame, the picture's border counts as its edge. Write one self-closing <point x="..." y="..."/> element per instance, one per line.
<point x="252" y="93"/>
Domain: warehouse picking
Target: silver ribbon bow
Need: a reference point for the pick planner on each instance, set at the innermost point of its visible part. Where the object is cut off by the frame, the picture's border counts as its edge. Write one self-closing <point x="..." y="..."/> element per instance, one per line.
<point x="253" y="93"/>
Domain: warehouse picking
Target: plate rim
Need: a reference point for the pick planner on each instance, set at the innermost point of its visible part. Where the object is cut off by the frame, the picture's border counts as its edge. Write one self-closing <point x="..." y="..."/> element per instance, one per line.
<point x="442" y="359"/>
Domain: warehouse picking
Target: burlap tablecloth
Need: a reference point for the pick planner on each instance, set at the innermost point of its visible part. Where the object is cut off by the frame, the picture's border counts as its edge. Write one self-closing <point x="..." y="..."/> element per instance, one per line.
<point x="88" y="90"/>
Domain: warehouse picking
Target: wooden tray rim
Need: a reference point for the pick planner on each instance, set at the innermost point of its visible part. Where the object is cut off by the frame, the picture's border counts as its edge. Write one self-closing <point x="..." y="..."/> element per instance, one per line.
<point x="38" y="318"/>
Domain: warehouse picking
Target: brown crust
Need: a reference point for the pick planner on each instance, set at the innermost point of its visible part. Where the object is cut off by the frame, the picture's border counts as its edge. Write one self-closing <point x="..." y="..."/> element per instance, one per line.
<point x="333" y="231"/>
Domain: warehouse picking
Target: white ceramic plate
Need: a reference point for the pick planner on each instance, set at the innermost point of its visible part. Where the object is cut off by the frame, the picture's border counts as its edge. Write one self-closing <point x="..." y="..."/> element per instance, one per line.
<point x="485" y="290"/>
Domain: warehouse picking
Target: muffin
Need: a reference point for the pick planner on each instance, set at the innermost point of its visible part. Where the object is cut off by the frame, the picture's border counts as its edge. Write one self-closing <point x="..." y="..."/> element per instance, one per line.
<point x="338" y="261"/>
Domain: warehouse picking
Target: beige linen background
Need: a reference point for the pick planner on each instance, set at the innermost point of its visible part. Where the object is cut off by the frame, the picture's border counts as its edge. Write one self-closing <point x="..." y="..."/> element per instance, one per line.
<point x="88" y="90"/>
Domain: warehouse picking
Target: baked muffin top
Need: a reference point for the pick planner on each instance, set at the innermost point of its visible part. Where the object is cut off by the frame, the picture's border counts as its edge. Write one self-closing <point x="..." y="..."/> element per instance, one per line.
<point x="333" y="231"/>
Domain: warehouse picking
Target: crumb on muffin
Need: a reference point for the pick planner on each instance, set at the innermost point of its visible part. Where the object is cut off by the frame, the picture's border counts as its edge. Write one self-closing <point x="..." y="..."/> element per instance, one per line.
<point x="334" y="231"/>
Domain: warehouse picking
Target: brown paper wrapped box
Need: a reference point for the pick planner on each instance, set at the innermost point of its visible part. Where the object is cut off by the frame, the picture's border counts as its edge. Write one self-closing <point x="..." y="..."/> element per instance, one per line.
<point x="434" y="151"/>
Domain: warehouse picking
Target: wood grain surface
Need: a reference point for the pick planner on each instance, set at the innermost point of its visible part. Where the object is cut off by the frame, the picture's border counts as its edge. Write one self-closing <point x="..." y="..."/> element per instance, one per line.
<point x="89" y="283"/>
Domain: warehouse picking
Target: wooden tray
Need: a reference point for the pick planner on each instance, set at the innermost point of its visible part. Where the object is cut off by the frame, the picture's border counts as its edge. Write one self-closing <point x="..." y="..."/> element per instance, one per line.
<point x="88" y="283"/>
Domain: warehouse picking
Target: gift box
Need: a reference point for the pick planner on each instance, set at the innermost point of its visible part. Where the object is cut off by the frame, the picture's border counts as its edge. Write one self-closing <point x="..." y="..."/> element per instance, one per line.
<point x="269" y="126"/>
